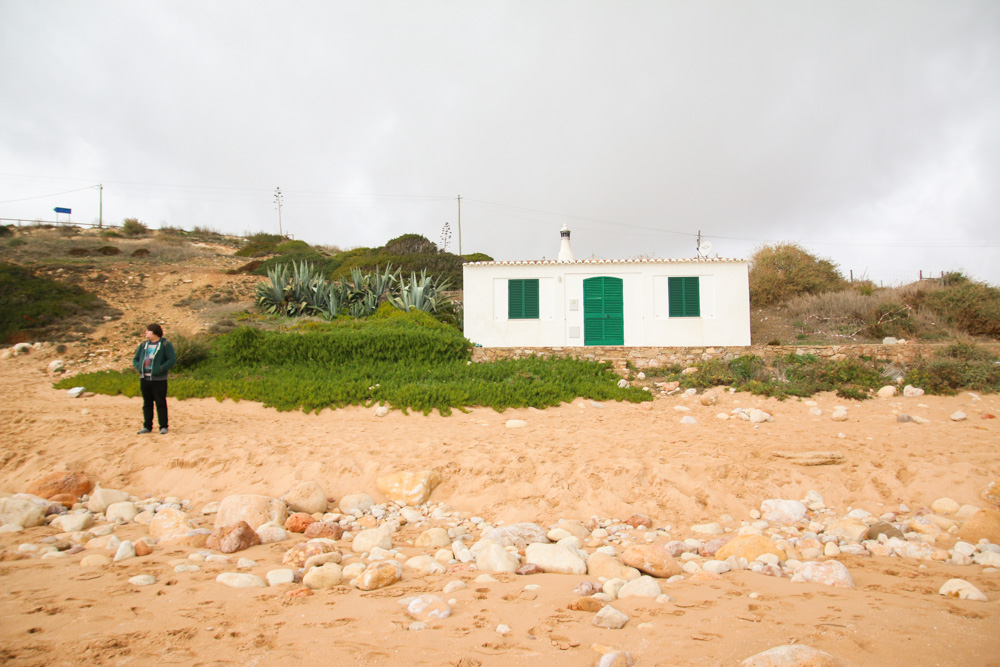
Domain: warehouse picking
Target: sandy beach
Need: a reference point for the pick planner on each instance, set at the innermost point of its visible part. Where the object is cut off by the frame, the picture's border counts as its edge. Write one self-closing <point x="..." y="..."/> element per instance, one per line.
<point x="574" y="462"/>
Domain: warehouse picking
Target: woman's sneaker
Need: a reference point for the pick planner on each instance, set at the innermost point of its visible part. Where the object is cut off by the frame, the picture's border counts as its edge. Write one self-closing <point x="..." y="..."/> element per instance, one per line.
<point x="145" y="430"/>
<point x="163" y="431"/>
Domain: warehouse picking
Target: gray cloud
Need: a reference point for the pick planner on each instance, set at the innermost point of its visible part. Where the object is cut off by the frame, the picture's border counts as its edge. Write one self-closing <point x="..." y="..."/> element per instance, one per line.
<point x="860" y="129"/>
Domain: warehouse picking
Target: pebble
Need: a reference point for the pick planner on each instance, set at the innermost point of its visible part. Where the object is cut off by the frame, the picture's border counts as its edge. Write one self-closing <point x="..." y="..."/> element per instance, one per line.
<point x="555" y="558"/>
<point x="643" y="587"/>
<point x="708" y="529"/>
<point x="142" y="580"/>
<point x="453" y="586"/>
<point x="828" y="573"/>
<point x="689" y="420"/>
<point x="791" y="655"/>
<point x="125" y="551"/>
<point x="240" y="580"/>
<point x="516" y="423"/>
<point x="503" y="629"/>
<point x="963" y="590"/>
<point x="611" y="618"/>
<point x="782" y="511"/>
<point x="327" y="575"/>
<point x="428" y="608"/>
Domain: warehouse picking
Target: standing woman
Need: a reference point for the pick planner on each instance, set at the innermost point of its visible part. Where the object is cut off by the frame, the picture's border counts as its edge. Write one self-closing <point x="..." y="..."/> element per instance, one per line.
<point x="153" y="358"/>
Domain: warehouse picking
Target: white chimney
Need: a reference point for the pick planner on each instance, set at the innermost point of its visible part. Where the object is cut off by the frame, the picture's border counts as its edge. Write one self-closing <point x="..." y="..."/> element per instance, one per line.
<point x="565" y="252"/>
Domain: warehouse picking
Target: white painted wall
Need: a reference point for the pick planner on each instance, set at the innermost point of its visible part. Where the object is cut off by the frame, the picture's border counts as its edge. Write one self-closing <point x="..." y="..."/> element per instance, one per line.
<point x="724" y="291"/>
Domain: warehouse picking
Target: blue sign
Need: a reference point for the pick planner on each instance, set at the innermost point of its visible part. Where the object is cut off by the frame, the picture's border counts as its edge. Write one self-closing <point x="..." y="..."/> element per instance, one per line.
<point x="67" y="211"/>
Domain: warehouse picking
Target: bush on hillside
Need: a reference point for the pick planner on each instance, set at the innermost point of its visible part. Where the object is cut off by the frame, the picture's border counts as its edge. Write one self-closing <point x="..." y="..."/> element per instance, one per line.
<point x="971" y="306"/>
<point x="477" y="257"/>
<point x="132" y="227"/>
<point x="190" y="351"/>
<point x="28" y="301"/>
<point x="410" y="244"/>
<point x="781" y="271"/>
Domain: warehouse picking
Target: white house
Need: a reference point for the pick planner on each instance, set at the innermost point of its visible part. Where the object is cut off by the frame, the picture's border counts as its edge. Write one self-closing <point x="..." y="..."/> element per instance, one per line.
<point x="635" y="303"/>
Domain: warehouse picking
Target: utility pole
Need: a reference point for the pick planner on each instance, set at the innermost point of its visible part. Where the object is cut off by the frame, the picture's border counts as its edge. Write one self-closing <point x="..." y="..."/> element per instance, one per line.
<point x="100" y="205"/>
<point x="277" y="201"/>
<point x="459" y="225"/>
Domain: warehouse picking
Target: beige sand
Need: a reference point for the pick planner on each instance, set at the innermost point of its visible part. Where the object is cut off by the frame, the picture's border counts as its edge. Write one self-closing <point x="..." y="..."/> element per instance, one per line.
<point x="574" y="461"/>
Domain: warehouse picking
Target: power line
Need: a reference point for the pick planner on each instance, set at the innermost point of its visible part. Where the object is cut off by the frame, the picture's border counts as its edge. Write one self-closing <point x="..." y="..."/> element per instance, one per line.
<point x="233" y="194"/>
<point x="54" y="194"/>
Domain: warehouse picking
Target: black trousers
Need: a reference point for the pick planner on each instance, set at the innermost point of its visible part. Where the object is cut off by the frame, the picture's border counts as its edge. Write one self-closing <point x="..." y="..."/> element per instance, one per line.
<point x="154" y="392"/>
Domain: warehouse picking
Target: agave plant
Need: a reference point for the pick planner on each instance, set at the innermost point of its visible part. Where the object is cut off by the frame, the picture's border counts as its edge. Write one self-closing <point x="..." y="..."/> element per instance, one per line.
<point x="297" y="292"/>
<point x="326" y="301"/>
<point x="271" y="295"/>
<point x="367" y="291"/>
<point x="423" y="293"/>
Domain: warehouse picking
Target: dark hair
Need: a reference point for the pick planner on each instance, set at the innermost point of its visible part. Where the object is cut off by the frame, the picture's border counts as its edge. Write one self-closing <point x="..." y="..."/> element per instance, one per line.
<point x="156" y="329"/>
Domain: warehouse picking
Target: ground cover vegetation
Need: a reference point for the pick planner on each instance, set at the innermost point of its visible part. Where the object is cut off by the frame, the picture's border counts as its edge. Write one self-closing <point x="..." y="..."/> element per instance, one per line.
<point x="407" y="361"/>
<point x="798" y="298"/>
<point x="960" y="366"/>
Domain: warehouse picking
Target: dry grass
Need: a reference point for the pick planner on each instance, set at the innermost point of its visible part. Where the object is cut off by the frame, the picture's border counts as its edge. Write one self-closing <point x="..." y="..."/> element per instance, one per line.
<point x="74" y="246"/>
<point x="852" y="316"/>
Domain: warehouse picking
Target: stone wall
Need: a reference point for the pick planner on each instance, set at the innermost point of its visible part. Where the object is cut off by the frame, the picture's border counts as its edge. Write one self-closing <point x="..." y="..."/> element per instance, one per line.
<point x="658" y="357"/>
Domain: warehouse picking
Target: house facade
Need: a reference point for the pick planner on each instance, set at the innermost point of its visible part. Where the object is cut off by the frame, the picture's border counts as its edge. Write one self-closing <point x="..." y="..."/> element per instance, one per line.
<point x="635" y="303"/>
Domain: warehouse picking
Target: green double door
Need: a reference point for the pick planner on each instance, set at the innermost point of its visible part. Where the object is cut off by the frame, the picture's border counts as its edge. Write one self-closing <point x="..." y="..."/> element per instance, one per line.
<point x="603" y="311"/>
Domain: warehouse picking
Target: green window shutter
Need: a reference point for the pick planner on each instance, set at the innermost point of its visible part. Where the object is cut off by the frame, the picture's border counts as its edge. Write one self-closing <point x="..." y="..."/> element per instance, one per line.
<point x="522" y="299"/>
<point x="531" y="299"/>
<point x="684" y="296"/>
<point x="692" y="297"/>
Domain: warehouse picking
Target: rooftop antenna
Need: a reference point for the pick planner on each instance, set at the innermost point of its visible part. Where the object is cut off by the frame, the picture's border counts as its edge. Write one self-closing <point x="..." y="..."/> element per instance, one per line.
<point x="704" y="247"/>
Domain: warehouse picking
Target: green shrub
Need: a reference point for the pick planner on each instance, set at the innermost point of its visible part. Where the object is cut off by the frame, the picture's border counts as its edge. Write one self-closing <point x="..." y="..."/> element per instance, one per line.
<point x="264" y="237"/>
<point x="16" y="242"/>
<point x="966" y="352"/>
<point x="948" y="375"/>
<point x="132" y="227"/>
<point x="781" y="271"/>
<point x="477" y="257"/>
<point x="342" y="342"/>
<point x="256" y="250"/>
<point x="410" y="244"/>
<point x="973" y="307"/>
<point x="6" y="230"/>
<point x="111" y="234"/>
<point x="30" y="302"/>
<point x="294" y="246"/>
<point x="322" y="264"/>
<point x="190" y="351"/>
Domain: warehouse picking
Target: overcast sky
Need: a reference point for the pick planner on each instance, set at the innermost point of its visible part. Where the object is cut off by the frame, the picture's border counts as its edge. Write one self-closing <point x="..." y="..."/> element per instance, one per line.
<point x="868" y="131"/>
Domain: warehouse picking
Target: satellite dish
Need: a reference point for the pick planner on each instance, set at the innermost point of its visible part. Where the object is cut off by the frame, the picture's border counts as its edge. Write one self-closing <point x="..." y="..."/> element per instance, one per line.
<point x="704" y="248"/>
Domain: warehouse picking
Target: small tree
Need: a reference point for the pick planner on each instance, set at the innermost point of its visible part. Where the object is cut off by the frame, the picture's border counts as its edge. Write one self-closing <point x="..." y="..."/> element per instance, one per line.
<point x="132" y="227"/>
<point x="781" y="271"/>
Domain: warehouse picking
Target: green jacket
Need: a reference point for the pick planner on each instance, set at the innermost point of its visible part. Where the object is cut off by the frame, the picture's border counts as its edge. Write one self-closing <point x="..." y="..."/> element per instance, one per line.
<point x="163" y="360"/>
